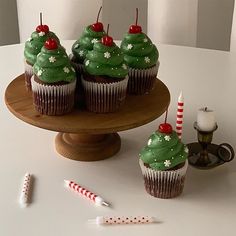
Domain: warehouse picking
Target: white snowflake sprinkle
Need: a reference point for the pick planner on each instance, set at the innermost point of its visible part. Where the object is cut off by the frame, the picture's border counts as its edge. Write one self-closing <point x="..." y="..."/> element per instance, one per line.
<point x="65" y="56"/>
<point x="124" y="67"/>
<point x="76" y="46"/>
<point x="40" y="72"/>
<point x="155" y="160"/>
<point x="167" y="163"/>
<point x="186" y="149"/>
<point x="107" y="55"/>
<point x="41" y="33"/>
<point x="149" y="142"/>
<point x="94" y="41"/>
<point x="172" y="149"/>
<point x="130" y="46"/>
<point x="167" y="138"/>
<point x="81" y="53"/>
<point x="112" y="68"/>
<point x="97" y="66"/>
<point x="72" y="69"/>
<point x="145" y="40"/>
<point x="87" y="62"/>
<point x="147" y="59"/>
<point x="143" y="48"/>
<point x="52" y="59"/>
<point x="66" y="70"/>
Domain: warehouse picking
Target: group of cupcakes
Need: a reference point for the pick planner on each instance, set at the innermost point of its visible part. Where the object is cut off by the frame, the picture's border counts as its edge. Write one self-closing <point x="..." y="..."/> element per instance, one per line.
<point x="98" y="73"/>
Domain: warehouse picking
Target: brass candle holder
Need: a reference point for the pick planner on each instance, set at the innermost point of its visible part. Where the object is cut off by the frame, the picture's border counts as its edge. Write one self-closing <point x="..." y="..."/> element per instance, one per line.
<point x="204" y="154"/>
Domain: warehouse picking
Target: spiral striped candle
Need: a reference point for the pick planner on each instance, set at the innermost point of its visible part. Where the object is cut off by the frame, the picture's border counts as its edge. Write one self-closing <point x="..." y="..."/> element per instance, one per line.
<point x="179" y="119"/>
<point x="25" y="190"/>
<point x="77" y="188"/>
<point x="114" y="220"/>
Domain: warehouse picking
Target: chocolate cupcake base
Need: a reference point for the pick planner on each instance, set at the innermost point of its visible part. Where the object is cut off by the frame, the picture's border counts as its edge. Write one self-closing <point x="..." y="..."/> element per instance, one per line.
<point x="28" y="75"/>
<point x="104" y="97"/>
<point x="53" y="99"/>
<point x="164" y="184"/>
<point x="141" y="81"/>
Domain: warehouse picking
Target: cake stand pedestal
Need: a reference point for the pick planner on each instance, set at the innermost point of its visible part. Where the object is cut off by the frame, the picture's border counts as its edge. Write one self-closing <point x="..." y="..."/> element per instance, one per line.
<point x="87" y="136"/>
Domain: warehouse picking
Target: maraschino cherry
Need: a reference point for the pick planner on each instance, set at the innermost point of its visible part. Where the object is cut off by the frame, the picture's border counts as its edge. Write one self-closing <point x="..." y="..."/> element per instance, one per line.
<point x="165" y="127"/>
<point x="41" y="27"/>
<point x="98" y="26"/>
<point x="135" y="29"/>
<point x="51" y="44"/>
<point x="107" y="40"/>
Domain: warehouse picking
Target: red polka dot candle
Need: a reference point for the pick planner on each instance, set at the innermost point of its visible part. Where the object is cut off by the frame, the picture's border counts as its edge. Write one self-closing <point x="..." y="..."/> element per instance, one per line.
<point x="179" y="118"/>
<point x="25" y="190"/>
<point x="92" y="196"/>
<point x="116" y="220"/>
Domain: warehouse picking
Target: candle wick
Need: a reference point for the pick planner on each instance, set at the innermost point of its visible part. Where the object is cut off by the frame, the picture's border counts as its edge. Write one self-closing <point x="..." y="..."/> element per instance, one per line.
<point x="205" y="109"/>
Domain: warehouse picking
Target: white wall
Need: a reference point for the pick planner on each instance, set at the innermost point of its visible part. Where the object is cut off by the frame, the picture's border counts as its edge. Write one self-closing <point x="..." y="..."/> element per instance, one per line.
<point x="9" y="33"/>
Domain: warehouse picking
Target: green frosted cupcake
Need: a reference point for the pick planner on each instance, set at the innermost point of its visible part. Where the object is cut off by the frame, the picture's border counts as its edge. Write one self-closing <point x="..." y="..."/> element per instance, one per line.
<point x="141" y="56"/>
<point x="33" y="47"/>
<point x="106" y="77"/>
<point x="54" y="80"/>
<point x="164" y="163"/>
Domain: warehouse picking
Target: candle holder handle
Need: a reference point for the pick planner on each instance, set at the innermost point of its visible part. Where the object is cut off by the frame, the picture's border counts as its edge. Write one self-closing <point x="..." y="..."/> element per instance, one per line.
<point x="222" y="154"/>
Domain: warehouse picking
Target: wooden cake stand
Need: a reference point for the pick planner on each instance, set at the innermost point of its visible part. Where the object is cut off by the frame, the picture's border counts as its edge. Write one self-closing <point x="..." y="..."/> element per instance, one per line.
<point x="86" y="136"/>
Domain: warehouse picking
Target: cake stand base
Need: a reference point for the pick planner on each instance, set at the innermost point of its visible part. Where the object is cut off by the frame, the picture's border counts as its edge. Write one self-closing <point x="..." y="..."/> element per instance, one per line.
<point x="87" y="147"/>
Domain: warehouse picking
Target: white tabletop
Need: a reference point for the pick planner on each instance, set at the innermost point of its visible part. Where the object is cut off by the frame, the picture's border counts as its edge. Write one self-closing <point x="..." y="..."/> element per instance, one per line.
<point x="208" y="204"/>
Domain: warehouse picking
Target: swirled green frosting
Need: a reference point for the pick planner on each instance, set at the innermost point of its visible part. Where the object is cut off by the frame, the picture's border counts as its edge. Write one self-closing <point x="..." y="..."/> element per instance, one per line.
<point x="85" y="43"/>
<point x="34" y="44"/>
<point x="53" y="66"/>
<point x="140" y="52"/>
<point x="164" y="151"/>
<point x="106" y="61"/>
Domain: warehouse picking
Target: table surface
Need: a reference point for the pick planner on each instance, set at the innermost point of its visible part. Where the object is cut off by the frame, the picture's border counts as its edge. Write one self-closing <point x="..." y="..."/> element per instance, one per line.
<point x="208" y="203"/>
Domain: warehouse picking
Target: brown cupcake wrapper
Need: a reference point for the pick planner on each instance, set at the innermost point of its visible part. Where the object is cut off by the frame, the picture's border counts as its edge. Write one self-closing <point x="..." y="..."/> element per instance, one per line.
<point x="53" y="100"/>
<point x="28" y="74"/>
<point x="104" y="97"/>
<point x="141" y="81"/>
<point x="164" y="184"/>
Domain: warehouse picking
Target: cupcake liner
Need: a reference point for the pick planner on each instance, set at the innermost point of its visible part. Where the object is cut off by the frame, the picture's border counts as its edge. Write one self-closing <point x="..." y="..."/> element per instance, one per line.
<point x="53" y="100"/>
<point x="105" y="97"/>
<point x="28" y="75"/>
<point x="141" y="81"/>
<point x="164" y="184"/>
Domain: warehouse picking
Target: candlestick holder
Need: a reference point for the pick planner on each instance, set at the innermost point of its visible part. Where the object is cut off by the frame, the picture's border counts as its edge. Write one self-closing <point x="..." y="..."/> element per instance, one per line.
<point x="206" y="155"/>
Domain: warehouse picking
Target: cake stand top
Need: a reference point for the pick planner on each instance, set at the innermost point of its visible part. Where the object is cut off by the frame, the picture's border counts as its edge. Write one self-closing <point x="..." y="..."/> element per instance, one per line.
<point x="137" y="111"/>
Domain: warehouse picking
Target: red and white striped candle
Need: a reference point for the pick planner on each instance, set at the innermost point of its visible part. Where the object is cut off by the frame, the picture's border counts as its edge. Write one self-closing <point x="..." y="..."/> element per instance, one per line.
<point x="180" y="112"/>
<point x="25" y="190"/>
<point x="92" y="196"/>
<point x="116" y="220"/>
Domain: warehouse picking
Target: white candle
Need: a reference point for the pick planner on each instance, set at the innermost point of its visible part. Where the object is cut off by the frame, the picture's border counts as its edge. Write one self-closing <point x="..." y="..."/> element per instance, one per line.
<point x="206" y="119"/>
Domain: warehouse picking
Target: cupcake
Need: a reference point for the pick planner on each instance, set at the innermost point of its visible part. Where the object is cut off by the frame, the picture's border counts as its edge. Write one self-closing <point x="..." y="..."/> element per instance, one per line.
<point x="91" y="34"/>
<point x="54" y="80"/>
<point x="164" y="163"/>
<point x="106" y="77"/>
<point x="141" y="56"/>
<point x="32" y="48"/>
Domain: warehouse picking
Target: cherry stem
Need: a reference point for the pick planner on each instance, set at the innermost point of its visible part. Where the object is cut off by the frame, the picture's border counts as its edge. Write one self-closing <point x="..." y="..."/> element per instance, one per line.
<point x="41" y="18"/>
<point x="99" y="13"/>
<point x="136" y="16"/>
<point x="108" y="26"/>
<point x="166" y="115"/>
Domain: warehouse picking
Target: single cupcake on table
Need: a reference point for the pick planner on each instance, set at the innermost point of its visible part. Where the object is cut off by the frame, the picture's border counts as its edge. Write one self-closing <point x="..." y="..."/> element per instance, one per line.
<point x="91" y="34"/>
<point x="33" y="47"/>
<point x="141" y="56"/>
<point x="54" y="80"/>
<point x="164" y="163"/>
<point x="106" y="77"/>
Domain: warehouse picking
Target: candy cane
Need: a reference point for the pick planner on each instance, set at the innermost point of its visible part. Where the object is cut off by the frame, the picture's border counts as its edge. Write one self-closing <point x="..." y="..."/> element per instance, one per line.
<point x="77" y="188"/>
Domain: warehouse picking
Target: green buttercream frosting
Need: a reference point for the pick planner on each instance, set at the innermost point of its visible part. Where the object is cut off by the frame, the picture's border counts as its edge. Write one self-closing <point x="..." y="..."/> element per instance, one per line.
<point x="34" y="44"/>
<point x="54" y="66"/>
<point x="140" y="52"/>
<point x="85" y="43"/>
<point x="164" y="151"/>
<point x="106" y="61"/>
